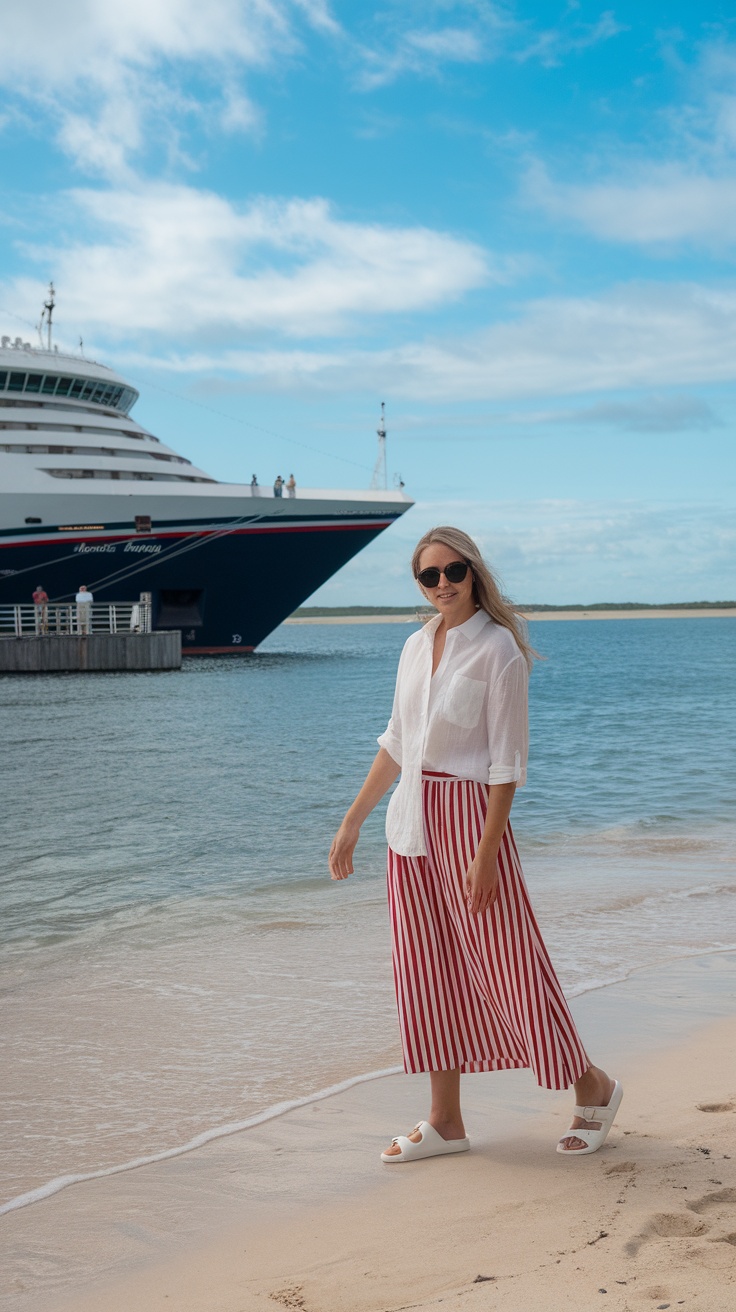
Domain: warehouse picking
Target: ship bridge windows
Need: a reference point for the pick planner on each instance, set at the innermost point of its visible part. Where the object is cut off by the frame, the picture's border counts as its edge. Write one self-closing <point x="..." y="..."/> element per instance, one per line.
<point x="56" y="449"/>
<point x="22" y="426"/>
<point x="93" y="390"/>
<point x="127" y="474"/>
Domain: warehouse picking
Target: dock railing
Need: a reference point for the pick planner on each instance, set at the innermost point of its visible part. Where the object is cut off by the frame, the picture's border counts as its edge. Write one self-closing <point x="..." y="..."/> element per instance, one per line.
<point x="68" y="617"/>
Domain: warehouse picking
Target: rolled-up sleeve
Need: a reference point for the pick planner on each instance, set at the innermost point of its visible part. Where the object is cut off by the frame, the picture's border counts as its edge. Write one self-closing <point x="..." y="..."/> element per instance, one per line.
<point x="508" y="724"/>
<point x="390" y="739"/>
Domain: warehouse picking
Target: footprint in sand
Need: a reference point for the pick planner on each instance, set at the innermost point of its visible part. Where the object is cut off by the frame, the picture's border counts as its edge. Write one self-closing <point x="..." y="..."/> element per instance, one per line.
<point x="716" y="1106"/>
<point x="620" y="1168"/>
<point x="666" y="1225"/>
<point x="292" y="1297"/>
<point x="708" y="1201"/>
<point x="719" y="1205"/>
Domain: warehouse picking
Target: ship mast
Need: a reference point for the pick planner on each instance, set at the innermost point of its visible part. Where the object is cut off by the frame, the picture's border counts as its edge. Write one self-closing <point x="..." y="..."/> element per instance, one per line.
<point x="379" y="482"/>
<point x="47" y="314"/>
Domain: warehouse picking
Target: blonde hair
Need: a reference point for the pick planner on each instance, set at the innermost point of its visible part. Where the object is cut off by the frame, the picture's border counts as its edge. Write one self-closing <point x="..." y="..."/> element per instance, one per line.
<point x="486" y="591"/>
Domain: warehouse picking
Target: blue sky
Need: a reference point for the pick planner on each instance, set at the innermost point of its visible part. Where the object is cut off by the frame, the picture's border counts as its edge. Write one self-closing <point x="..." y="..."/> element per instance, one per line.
<point x="514" y="223"/>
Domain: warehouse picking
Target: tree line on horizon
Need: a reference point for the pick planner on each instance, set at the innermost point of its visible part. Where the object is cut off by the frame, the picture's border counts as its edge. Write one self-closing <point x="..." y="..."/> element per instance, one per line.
<point x="317" y="612"/>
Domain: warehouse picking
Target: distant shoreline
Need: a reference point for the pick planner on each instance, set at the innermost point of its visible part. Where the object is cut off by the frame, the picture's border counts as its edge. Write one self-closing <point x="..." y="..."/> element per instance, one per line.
<point x="393" y="615"/>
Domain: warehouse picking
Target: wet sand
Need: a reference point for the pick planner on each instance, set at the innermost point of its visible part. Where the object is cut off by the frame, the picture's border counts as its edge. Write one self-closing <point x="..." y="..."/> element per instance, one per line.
<point x="300" y="1213"/>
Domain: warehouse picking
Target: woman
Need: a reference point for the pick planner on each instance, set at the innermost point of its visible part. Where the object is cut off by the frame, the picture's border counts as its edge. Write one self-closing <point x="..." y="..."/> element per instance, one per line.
<point x="475" y="988"/>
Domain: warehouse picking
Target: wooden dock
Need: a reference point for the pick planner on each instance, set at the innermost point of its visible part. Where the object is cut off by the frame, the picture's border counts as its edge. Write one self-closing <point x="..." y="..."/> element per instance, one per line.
<point x="56" y="653"/>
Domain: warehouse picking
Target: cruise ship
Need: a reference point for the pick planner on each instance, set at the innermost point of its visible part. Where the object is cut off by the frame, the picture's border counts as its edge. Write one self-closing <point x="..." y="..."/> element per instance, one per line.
<point x="87" y="495"/>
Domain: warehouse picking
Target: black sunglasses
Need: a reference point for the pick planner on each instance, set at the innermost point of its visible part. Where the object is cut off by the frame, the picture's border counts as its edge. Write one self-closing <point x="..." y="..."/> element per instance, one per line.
<point x="454" y="573"/>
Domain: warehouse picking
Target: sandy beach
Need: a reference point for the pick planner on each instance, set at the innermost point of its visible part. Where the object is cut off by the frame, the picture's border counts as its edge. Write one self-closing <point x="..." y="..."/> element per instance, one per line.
<point x="715" y="613"/>
<point x="299" y="1213"/>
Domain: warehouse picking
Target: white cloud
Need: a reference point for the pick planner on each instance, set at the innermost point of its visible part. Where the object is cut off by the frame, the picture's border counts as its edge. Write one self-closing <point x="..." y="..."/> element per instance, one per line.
<point x="239" y="114"/>
<point x="681" y="188"/>
<point x="555" y="552"/>
<point x="109" y="78"/>
<point x="647" y="414"/>
<point x="663" y="203"/>
<point x="676" y="412"/>
<point x="182" y="263"/>
<point x="551" y="46"/>
<point x="419" y="52"/>
<point x="637" y="336"/>
<point x="102" y="72"/>
<point x="489" y="32"/>
<point x="90" y="40"/>
<point x="448" y="43"/>
<point x="319" y="16"/>
<point x="704" y="119"/>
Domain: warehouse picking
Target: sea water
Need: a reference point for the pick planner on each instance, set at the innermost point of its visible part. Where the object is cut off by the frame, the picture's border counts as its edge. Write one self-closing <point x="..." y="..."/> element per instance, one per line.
<point x="175" y="959"/>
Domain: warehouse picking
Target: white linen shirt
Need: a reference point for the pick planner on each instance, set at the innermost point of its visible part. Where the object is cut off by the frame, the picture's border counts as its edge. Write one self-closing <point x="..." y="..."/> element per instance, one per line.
<point x="468" y="719"/>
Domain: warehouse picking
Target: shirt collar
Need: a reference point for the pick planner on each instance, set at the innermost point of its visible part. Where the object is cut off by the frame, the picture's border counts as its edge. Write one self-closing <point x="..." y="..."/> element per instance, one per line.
<point x="470" y="629"/>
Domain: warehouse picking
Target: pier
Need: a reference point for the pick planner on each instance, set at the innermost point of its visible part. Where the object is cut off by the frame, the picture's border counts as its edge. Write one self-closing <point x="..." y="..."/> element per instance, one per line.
<point x="64" y="637"/>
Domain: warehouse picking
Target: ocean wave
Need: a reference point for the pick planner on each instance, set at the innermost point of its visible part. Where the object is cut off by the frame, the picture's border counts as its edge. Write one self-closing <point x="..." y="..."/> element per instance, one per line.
<point x="630" y="900"/>
<point x="620" y="977"/>
<point x="207" y="1136"/>
<point x="637" y="837"/>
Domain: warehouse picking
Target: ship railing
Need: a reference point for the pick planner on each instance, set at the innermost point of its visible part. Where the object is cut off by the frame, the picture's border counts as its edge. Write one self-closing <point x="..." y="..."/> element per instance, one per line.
<point x="267" y="491"/>
<point x="68" y="617"/>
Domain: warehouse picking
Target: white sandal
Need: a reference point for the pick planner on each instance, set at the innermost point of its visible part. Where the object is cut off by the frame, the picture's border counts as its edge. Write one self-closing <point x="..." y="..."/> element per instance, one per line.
<point x="431" y="1144"/>
<point x="593" y="1138"/>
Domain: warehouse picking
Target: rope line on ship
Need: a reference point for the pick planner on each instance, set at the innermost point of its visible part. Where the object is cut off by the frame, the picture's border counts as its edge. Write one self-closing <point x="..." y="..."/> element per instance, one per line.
<point x="137" y="566"/>
<point x="258" y="428"/>
<point x="176" y="549"/>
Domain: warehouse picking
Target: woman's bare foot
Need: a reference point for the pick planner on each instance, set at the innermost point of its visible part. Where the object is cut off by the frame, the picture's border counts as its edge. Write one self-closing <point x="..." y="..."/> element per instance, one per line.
<point x="594" y="1089"/>
<point x="447" y="1129"/>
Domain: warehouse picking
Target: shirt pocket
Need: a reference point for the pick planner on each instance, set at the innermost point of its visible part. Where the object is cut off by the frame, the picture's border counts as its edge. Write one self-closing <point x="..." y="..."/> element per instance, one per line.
<point x="464" y="701"/>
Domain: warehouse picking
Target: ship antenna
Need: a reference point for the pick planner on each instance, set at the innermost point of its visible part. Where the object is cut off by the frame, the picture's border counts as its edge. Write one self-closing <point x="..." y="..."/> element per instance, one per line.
<point x="379" y="480"/>
<point x="47" y="314"/>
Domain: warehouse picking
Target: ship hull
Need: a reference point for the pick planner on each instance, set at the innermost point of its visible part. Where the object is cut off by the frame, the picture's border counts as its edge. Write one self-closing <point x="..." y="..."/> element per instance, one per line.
<point x="226" y="588"/>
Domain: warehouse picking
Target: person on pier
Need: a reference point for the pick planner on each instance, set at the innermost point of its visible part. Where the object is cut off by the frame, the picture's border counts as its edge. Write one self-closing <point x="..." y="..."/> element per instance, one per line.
<point x="84" y="601"/>
<point x="41" y="602"/>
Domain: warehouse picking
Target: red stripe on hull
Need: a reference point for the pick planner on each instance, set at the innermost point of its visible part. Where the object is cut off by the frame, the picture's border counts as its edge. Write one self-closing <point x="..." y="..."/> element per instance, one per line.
<point x="201" y="533"/>
<point x="216" y="651"/>
<point x="477" y="993"/>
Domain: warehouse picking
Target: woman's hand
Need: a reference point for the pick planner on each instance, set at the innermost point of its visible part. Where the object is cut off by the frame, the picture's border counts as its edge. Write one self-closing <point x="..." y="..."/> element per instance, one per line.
<point x="341" y="852"/>
<point x="378" y="781"/>
<point x="481" y="883"/>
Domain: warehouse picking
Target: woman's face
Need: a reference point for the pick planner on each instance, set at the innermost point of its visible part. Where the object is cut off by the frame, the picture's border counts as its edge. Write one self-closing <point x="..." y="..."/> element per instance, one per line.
<point x="453" y="600"/>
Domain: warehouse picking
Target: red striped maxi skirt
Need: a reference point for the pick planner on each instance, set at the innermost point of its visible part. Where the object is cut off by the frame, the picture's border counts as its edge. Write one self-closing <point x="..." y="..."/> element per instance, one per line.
<point x="478" y="993"/>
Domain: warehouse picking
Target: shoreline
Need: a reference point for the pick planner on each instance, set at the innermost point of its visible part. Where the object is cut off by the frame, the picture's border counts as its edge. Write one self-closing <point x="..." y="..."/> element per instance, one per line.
<point x="50" y="1188"/>
<point x="155" y="1234"/>
<point x="409" y="618"/>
